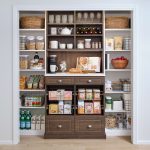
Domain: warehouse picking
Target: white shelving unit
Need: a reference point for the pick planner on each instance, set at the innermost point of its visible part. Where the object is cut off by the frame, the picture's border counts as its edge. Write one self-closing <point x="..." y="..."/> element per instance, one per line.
<point x="32" y="132"/>
<point x="124" y="70"/>
<point x="23" y="107"/>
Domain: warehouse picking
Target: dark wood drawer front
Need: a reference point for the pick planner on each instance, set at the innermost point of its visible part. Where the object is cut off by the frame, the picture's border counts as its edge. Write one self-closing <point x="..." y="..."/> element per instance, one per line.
<point x="60" y="124"/>
<point x="89" y="80"/>
<point x="89" y="125"/>
<point x="58" y="81"/>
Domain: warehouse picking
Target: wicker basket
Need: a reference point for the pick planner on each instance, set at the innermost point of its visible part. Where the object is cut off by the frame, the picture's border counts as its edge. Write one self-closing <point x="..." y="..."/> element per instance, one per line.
<point x="119" y="64"/>
<point x="117" y="22"/>
<point x="32" y="22"/>
<point x="110" y="122"/>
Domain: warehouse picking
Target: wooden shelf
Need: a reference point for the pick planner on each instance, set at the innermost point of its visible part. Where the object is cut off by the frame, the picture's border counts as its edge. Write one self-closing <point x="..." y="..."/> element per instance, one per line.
<point x="60" y="24"/>
<point x="92" y="35"/>
<point x="32" y="90"/>
<point x="75" y="50"/>
<point x="89" y="23"/>
<point x="49" y="35"/>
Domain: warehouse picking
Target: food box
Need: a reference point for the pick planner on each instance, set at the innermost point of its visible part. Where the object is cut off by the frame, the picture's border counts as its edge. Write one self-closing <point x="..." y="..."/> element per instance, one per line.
<point x="118" y="105"/>
<point x="118" y="42"/>
<point x="67" y="95"/>
<point x="60" y="94"/>
<point x="109" y="44"/>
<point x="67" y="107"/>
<point x="88" y="108"/>
<point x="52" y="95"/>
<point x="61" y="107"/>
<point x="97" y="107"/>
<point x="53" y="109"/>
<point x="80" y="107"/>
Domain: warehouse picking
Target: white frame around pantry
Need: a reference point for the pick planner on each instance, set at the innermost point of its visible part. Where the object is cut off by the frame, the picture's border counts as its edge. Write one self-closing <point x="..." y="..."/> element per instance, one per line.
<point x="136" y="98"/>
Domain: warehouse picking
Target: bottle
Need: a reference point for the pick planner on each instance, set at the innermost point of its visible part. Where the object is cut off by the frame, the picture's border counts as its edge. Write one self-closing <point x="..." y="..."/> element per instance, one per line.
<point x="99" y="31"/>
<point x="28" y="120"/>
<point x="36" y="57"/>
<point x="22" y="120"/>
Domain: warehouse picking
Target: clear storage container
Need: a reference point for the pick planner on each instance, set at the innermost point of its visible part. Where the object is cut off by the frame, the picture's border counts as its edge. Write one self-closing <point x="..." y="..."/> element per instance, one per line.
<point x="24" y="61"/>
<point x="30" y="43"/>
<point x="39" y="42"/>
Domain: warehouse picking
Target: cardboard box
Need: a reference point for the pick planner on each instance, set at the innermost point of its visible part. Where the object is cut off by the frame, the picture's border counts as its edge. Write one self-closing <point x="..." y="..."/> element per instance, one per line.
<point x="80" y="107"/>
<point x="118" y="42"/>
<point x="97" y="107"/>
<point x="61" y="107"/>
<point x="52" y="95"/>
<point x="109" y="44"/>
<point x="67" y="107"/>
<point x="88" y="108"/>
<point x="67" y="95"/>
<point x="53" y="109"/>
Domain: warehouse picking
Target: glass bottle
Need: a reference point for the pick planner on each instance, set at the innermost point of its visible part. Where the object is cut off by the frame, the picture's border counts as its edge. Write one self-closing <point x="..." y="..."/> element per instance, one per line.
<point x="36" y="57"/>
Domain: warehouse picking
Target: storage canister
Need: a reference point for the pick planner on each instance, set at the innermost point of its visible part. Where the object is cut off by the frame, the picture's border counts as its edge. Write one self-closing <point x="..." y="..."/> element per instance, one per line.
<point x="24" y="61"/>
<point x="39" y="42"/>
<point x="87" y="43"/>
<point x="80" y="44"/>
<point x="81" y="94"/>
<point x="108" y="103"/>
<point x="89" y="95"/>
<point x="22" y="42"/>
<point x="96" y="94"/>
<point x="30" y="43"/>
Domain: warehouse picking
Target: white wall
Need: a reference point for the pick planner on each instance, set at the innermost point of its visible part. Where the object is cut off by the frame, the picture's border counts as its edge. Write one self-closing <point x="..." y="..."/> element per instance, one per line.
<point x="7" y="50"/>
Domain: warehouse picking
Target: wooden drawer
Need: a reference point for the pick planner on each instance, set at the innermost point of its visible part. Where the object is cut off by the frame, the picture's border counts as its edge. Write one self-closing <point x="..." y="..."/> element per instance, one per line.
<point x="58" y="80"/>
<point x="89" y="80"/>
<point x="89" y="124"/>
<point x="59" y="124"/>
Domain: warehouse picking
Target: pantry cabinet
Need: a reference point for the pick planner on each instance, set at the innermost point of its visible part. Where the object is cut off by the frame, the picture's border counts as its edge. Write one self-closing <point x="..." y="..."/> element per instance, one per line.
<point x="80" y="52"/>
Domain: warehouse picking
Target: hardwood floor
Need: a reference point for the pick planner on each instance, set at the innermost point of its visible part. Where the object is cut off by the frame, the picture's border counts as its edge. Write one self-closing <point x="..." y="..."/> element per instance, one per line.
<point x="38" y="143"/>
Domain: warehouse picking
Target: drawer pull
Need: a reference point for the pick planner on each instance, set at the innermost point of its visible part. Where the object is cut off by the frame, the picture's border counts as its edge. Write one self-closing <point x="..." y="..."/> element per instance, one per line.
<point x="89" y="126"/>
<point x="59" y="126"/>
<point x="89" y="81"/>
<point x="59" y="81"/>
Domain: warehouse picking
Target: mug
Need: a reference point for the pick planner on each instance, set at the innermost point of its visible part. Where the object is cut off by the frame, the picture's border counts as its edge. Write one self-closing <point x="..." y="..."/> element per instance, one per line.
<point x="57" y="18"/>
<point x="69" y="46"/>
<point x="70" y="18"/>
<point x="53" y="44"/>
<point x="64" y="19"/>
<point x="53" y="31"/>
<point x="53" y="68"/>
<point x="51" y="18"/>
<point x="62" y="45"/>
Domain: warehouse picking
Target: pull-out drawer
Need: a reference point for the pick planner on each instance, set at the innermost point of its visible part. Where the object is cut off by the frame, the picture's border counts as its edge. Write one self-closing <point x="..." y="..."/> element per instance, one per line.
<point x="59" y="80"/>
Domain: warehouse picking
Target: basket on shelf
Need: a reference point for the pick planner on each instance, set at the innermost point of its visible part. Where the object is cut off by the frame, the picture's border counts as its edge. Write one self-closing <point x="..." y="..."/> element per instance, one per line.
<point x="117" y="22"/>
<point x="32" y="22"/>
<point x="117" y="86"/>
<point x="119" y="64"/>
<point x="110" y="122"/>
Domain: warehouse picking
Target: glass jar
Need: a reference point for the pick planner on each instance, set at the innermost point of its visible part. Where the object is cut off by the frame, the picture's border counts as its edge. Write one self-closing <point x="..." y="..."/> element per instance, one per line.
<point x="96" y="94"/>
<point x="22" y="42"/>
<point x="89" y="95"/>
<point x="30" y="43"/>
<point x="39" y="42"/>
<point x="24" y="61"/>
<point x="108" y="102"/>
<point x="80" y="44"/>
<point x="87" y="43"/>
<point x="81" y="94"/>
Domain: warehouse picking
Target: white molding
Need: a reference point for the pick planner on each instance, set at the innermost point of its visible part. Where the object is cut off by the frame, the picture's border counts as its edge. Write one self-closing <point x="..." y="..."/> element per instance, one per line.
<point x="141" y="142"/>
<point x="7" y="142"/>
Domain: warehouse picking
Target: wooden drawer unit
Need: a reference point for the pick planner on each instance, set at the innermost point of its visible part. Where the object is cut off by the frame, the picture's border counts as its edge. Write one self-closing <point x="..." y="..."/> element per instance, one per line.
<point x="59" y="81"/>
<point x="89" y="124"/>
<point x="89" y="80"/>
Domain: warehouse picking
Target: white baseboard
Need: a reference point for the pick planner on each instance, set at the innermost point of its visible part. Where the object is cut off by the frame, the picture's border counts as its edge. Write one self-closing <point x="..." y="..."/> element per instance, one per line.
<point x="141" y="142"/>
<point x="6" y="142"/>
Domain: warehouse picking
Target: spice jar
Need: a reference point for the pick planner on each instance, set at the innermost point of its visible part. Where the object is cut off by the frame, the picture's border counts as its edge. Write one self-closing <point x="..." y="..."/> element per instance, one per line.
<point x="81" y="94"/>
<point x="30" y="44"/>
<point x="96" y="94"/>
<point x="39" y="42"/>
<point x="87" y="43"/>
<point x="80" y="44"/>
<point x="89" y="95"/>
<point x="108" y="102"/>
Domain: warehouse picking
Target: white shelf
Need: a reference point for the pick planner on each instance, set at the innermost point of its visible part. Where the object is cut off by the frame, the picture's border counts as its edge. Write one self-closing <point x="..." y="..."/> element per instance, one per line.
<point x="118" y="50"/>
<point x="75" y="74"/>
<point x="32" y="70"/>
<point x="31" y="29"/>
<point x="118" y="132"/>
<point x="23" y="107"/>
<point x="116" y="92"/>
<point x="32" y="50"/>
<point x="34" y="90"/>
<point x="118" y="70"/>
<point x="118" y="30"/>
<point x="113" y="111"/>
<point x="32" y="132"/>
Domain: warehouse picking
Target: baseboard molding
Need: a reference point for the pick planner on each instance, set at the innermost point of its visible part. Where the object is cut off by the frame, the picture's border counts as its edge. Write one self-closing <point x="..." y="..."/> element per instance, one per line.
<point x="6" y="142"/>
<point x="141" y="142"/>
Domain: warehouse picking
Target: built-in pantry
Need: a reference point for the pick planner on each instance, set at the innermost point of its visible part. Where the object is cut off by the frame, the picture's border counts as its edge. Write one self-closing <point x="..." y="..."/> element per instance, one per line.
<point x="75" y="73"/>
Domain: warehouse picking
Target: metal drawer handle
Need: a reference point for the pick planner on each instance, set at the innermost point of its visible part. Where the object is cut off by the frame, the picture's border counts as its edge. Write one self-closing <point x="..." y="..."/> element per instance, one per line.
<point x="59" y="126"/>
<point x="89" y="81"/>
<point x="59" y="81"/>
<point x="89" y="126"/>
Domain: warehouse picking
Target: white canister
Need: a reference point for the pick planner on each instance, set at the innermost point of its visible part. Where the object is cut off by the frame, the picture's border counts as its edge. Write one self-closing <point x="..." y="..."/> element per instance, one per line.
<point x="53" y="44"/>
<point x="80" y="44"/>
<point x="53" y="31"/>
<point x="87" y="43"/>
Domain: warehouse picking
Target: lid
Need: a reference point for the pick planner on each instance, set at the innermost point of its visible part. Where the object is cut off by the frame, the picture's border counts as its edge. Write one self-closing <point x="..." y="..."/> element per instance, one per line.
<point x="22" y="36"/>
<point x="40" y="38"/>
<point x="96" y="90"/>
<point x="53" y="55"/>
<point x="30" y="37"/>
<point x="81" y="90"/>
<point x="24" y="55"/>
<point x="108" y="97"/>
<point x="88" y="90"/>
<point x="88" y="40"/>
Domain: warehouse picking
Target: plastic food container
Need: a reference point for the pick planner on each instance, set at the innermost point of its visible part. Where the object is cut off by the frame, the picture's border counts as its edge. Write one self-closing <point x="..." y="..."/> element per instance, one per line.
<point x="81" y="94"/>
<point x="39" y="42"/>
<point x="30" y="43"/>
<point x="89" y="95"/>
<point x="96" y="94"/>
<point x="24" y="61"/>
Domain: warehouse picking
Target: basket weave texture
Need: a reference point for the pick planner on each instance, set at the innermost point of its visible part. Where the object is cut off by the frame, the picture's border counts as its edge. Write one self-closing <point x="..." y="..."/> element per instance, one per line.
<point x="117" y="22"/>
<point x="32" y="22"/>
<point x="119" y="64"/>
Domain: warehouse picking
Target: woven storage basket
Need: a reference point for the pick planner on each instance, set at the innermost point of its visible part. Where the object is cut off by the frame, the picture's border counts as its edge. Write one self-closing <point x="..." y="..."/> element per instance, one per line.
<point x="34" y="22"/>
<point x="117" y="22"/>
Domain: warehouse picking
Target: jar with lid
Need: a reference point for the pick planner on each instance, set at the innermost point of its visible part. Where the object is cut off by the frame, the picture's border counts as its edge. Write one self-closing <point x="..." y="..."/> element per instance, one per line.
<point x="30" y="43"/>
<point x="96" y="94"/>
<point x="87" y="43"/>
<point x="39" y="42"/>
<point x="80" y="44"/>
<point x="24" y="61"/>
<point x="81" y="94"/>
<point x="108" y="103"/>
<point x="126" y="86"/>
<point x="89" y="95"/>
<point x="22" y="42"/>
